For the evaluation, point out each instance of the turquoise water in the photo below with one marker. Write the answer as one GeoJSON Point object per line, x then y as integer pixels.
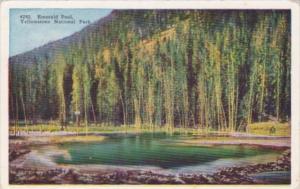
{"type": "Point", "coordinates": [158, 150]}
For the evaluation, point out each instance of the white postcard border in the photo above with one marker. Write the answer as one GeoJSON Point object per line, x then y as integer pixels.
{"type": "Point", "coordinates": [151, 4]}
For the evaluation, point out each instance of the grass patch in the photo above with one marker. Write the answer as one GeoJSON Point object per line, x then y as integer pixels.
{"type": "Point", "coordinates": [102, 129]}
{"type": "Point", "coordinates": [69, 128]}
{"type": "Point", "coordinates": [261, 128]}
{"type": "Point", "coordinates": [64, 139]}
{"type": "Point", "coordinates": [270, 128]}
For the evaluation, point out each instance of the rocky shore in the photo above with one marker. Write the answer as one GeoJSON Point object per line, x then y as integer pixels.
{"type": "Point", "coordinates": [16, 150]}
{"type": "Point", "coordinates": [231, 175]}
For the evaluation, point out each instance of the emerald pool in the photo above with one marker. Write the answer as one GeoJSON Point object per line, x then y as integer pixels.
{"type": "Point", "coordinates": [159, 150]}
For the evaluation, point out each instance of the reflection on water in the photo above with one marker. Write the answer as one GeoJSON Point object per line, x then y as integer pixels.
{"type": "Point", "coordinates": [158, 150]}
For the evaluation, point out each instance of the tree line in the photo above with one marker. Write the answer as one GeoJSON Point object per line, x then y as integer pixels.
{"type": "Point", "coordinates": [160, 68]}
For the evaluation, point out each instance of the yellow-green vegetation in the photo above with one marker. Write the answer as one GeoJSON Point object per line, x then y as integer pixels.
{"type": "Point", "coordinates": [64, 139]}
{"type": "Point", "coordinates": [94, 128]}
{"type": "Point", "coordinates": [69, 128]}
{"type": "Point", "coordinates": [270, 128]}
{"type": "Point", "coordinates": [262, 128]}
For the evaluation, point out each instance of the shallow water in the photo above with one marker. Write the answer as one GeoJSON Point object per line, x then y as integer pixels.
{"type": "Point", "coordinates": [158, 150]}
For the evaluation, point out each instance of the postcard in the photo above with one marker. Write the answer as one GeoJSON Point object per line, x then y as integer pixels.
{"type": "Point", "coordinates": [151, 93]}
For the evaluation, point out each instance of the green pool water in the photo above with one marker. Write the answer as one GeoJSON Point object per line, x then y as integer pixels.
{"type": "Point", "coordinates": [160, 150]}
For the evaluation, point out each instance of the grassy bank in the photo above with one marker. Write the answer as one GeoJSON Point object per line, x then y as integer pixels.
{"type": "Point", "coordinates": [64, 139]}
{"type": "Point", "coordinates": [97, 128]}
{"type": "Point", "coordinates": [270, 129]}
{"type": "Point", "coordinates": [262, 128]}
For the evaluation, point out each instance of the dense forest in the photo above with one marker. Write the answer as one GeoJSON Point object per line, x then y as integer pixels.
{"type": "Point", "coordinates": [218, 69]}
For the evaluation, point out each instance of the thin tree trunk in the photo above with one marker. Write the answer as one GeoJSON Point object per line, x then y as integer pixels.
{"type": "Point", "coordinates": [24, 112]}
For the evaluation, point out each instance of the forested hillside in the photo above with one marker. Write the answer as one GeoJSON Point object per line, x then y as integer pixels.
{"type": "Point", "coordinates": [160, 68]}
